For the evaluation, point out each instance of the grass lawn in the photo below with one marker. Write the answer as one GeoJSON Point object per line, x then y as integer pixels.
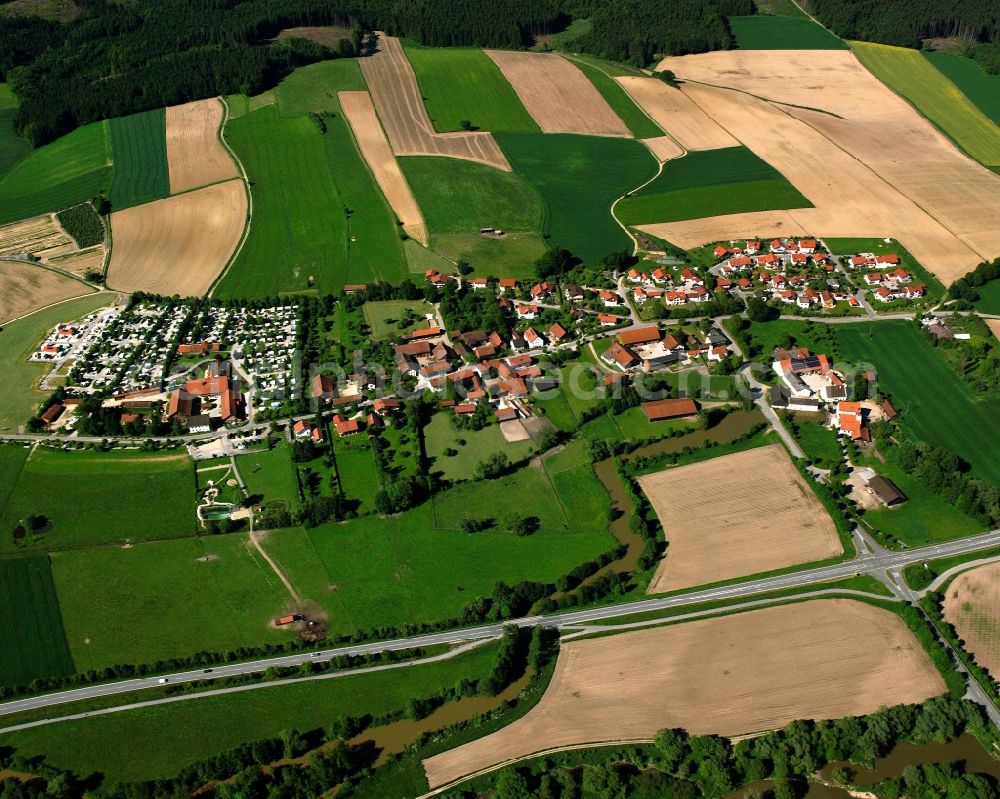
{"type": "Point", "coordinates": [19, 398]}
{"type": "Point", "coordinates": [97, 498]}
{"type": "Point", "coordinates": [579, 177]}
{"type": "Point", "coordinates": [925, 517]}
{"type": "Point", "coordinates": [464, 84]}
{"type": "Point", "coordinates": [974, 81]}
{"type": "Point", "coordinates": [557, 410]}
{"type": "Point", "coordinates": [815, 336]}
{"type": "Point", "coordinates": [935, 289]}
{"type": "Point", "coordinates": [66, 172]}
{"type": "Point", "coordinates": [152, 742]}
{"type": "Point", "coordinates": [641, 126]}
{"type": "Point", "coordinates": [727, 181]}
{"type": "Point", "coordinates": [31, 625]}
{"type": "Point", "coordinates": [762, 32]}
{"type": "Point", "coordinates": [12, 148]}
{"type": "Point", "coordinates": [441, 434]}
{"type": "Point", "coordinates": [512, 256]}
{"type": "Point", "coordinates": [419, 259]}
{"type": "Point", "coordinates": [356, 469]}
{"type": "Point", "coordinates": [269, 475]}
{"type": "Point", "coordinates": [139, 152]}
{"type": "Point", "coordinates": [167, 599]}
{"type": "Point", "coordinates": [572, 476]}
{"type": "Point", "coordinates": [601, 427]}
{"type": "Point", "coordinates": [908, 73]}
{"type": "Point", "coordinates": [989, 298]}
{"type": "Point", "coordinates": [458, 196]}
{"type": "Point", "coordinates": [818, 442]}
{"type": "Point", "coordinates": [634, 425]}
{"type": "Point", "coordinates": [379, 313]}
{"type": "Point", "coordinates": [935, 404]}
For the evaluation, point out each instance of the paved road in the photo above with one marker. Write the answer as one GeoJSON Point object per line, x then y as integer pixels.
{"type": "Point", "coordinates": [875, 563]}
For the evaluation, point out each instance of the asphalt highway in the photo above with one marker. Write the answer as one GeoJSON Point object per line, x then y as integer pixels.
{"type": "Point", "coordinates": [875, 564]}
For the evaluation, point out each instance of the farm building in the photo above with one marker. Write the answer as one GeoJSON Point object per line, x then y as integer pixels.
{"type": "Point", "coordinates": [659, 410]}
{"type": "Point", "coordinates": [886, 491]}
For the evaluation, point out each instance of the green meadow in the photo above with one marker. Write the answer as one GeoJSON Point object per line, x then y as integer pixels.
{"type": "Point", "coordinates": [989, 298]}
{"type": "Point", "coordinates": [975, 82]}
{"type": "Point", "coordinates": [707, 183]}
{"type": "Point", "coordinates": [66, 172]}
{"type": "Point", "coordinates": [641, 126]}
{"type": "Point", "coordinates": [384, 316]}
{"type": "Point", "coordinates": [470, 446]}
{"type": "Point", "coordinates": [100, 497]}
{"type": "Point", "coordinates": [935, 405]}
{"type": "Point", "coordinates": [464, 84]}
{"type": "Point", "coordinates": [31, 625]}
{"type": "Point", "coordinates": [12, 148]}
{"type": "Point", "coordinates": [579, 177]}
{"type": "Point", "coordinates": [139, 152]}
{"type": "Point", "coordinates": [269, 474]}
{"type": "Point", "coordinates": [357, 472]}
{"type": "Point", "coordinates": [761, 32]}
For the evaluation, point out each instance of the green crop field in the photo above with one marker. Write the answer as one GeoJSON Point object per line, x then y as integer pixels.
{"type": "Point", "coordinates": [12, 148]}
{"type": "Point", "coordinates": [19, 398]}
{"type": "Point", "coordinates": [711, 182]}
{"type": "Point", "coordinates": [975, 82]}
{"type": "Point", "coordinates": [67, 171]}
{"type": "Point", "coordinates": [635, 118]}
{"type": "Point", "coordinates": [139, 151]}
{"type": "Point", "coordinates": [166, 599]}
{"type": "Point", "coordinates": [762, 32]}
{"type": "Point", "coordinates": [579, 177]}
{"type": "Point", "coordinates": [269, 475]}
{"type": "Point", "coordinates": [464, 84]}
{"type": "Point", "coordinates": [512, 256]}
{"type": "Point", "coordinates": [31, 627]}
{"type": "Point", "coordinates": [152, 742]}
{"type": "Point", "coordinates": [98, 498]}
{"type": "Point", "coordinates": [472, 446]}
{"type": "Point", "coordinates": [908, 73]}
{"type": "Point", "coordinates": [935, 405]}
{"type": "Point", "coordinates": [383, 317]}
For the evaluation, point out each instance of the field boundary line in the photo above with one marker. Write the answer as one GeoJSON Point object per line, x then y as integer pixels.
{"type": "Point", "coordinates": [459, 650]}
{"type": "Point", "coordinates": [246, 187]}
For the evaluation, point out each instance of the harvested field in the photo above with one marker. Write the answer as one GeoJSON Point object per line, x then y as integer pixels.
{"type": "Point", "coordinates": [858, 139]}
{"type": "Point", "coordinates": [695, 232]}
{"type": "Point", "coordinates": [397, 98]}
{"type": "Point", "coordinates": [558, 95]}
{"type": "Point", "coordinates": [972, 604]}
{"type": "Point", "coordinates": [180, 244]}
{"type": "Point", "coordinates": [732, 675]}
{"type": "Point", "coordinates": [664, 148]}
{"type": "Point", "coordinates": [80, 262]}
{"type": "Point", "coordinates": [25, 288]}
{"type": "Point", "coordinates": [994, 326]}
{"type": "Point", "coordinates": [715, 535]}
{"type": "Point", "coordinates": [374, 146]}
{"type": "Point", "coordinates": [195, 155]}
{"type": "Point", "coordinates": [676, 114]}
{"type": "Point", "coordinates": [38, 235]}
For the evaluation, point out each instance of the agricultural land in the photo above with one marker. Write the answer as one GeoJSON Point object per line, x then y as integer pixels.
{"type": "Point", "coordinates": [139, 153]}
{"type": "Point", "coordinates": [970, 604]}
{"type": "Point", "coordinates": [195, 154]}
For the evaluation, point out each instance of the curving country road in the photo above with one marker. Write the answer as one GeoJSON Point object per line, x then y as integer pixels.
{"type": "Point", "coordinates": [873, 561]}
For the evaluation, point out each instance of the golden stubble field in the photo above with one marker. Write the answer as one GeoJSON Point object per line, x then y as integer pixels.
{"type": "Point", "coordinates": [731, 675]}
{"type": "Point", "coordinates": [871, 166]}
{"type": "Point", "coordinates": [195, 155]}
{"type": "Point", "coordinates": [374, 146]}
{"type": "Point", "coordinates": [557, 94]}
{"type": "Point", "coordinates": [400, 106]}
{"type": "Point", "coordinates": [178, 245]}
{"type": "Point", "coordinates": [25, 288]}
{"type": "Point", "coordinates": [972, 604]}
{"type": "Point", "coordinates": [740, 514]}
{"type": "Point", "coordinates": [673, 111]}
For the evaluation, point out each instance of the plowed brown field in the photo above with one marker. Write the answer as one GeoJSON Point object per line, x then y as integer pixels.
{"type": "Point", "coordinates": [400, 106]}
{"type": "Point", "coordinates": [972, 604]}
{"type": "Point", "coordinates": [673, 111]}
{"type": "Point", "coordinates": [836, 132]}
{"type": "Point", "coordinates": [740, 514]}
{"type": "Point", "coordinates": [375, 149]}
{"type": "Point", "coordinates": [195, 155]}
{"type": "Point", "coordinates": [557, 94]}
{"type": "Point", "coordinates": [732, 675]}
{"type": "Point", "coordinates": [25, 288]}
{"type": "Point", "coordinates": [180, 244]}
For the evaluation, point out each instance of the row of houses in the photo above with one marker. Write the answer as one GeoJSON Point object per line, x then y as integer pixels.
{"type": "Point", "coordinates": [647, 348]}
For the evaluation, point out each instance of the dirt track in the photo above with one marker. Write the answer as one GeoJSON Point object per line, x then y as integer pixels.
{"type": "Point", "coordinates": [972, 604]}
{"type": "Point", "coordinates": [375, 149]}
{"type": "Point", "coordinates": [195, 155]}
{"type": "Point", "coordinates": [737, 515]}
{"type": "Point", "coordinates": [732, 675]}
{"type": "Point", "coordinates": [851, 137]}
{"type": "Point", "coordinates": [676, 114]}
{"type": "Point", "coordinates": [558, 96]}
{"type": "Point", "coordinates": [394, 90]}
{"type": "Point", "coordinates": [25, 288]}
{"type": "Point", "coordinates": [180, 244]}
